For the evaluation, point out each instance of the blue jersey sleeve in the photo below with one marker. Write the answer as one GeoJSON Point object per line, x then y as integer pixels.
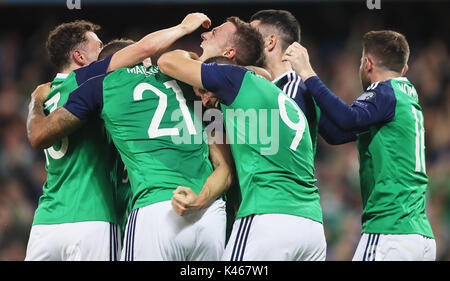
{"type": "Point", "coordinates": [87, 100]}
{"type": "Point", "coordinates": [332, 134]}
{"type": "Point", "coordinates": [224, 80]}
{"type": "Point", "coordinates": [373, 106]}
{"type": "Point", "coordinates": [306, 103]}
{"type": "Point", "coordinates": [94, 69]}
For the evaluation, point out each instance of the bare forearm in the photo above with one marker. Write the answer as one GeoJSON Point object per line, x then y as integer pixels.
{"type": "Point", "coordinates": [180, 65]}
{"type": "Point", "coordinates": [151, 45]}
{"type": "Point", "coordinates": [222, 177]}
{"type": "Point", "coordinates": [184, 199]}
{"type": "Point", "coordinates": [43, 131]}
{"type": "Point", "coordinates": [159, 41]}
{"type": "Point", "coordinates": [156, 42]}
{"type": "Point", "coordinates": [35, 121]}
{"type": "Point", "coordinates": [215, 185]}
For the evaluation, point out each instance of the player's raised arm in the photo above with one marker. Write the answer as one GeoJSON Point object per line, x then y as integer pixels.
{"type": "Point", "coordinates": [185, 200]}
{"type": "Point", "coordinates": [43, 131]}
{"type": "Point", "coordinates": [217, 74]}
{"type": "Point", "coordinates": [158, 41]}
{"type": "Point", "coordinates": [83, 102]}
{"type": "Point", "coordinates": [180, 65]}
{"type": "Point", "coordinates": [332, 134]}
{"type": "Point", "coordinates": [370, 108]}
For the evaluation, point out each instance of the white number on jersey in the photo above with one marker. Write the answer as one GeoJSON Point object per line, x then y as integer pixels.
{"type": "Point", "coordinates": [420, 140]}
{"type": "Point", "coordinates": [299, 127]}
{"type": "Point", "coordinates": [55, 154]}
{"type": "Point", "coordinates": [154, 131]}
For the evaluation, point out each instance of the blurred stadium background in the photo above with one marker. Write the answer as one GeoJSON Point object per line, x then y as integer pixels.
{"type": "Point", "coordinates": [331, 30]}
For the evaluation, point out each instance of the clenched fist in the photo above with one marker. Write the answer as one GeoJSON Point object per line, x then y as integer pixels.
{"type": "Point", "coordinates": [298, 57]}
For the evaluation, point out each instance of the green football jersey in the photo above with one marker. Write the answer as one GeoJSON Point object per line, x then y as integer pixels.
{"type": "Point", "coordinates": [83, 170]}
{"type": "Point", "coordinates": [151, 120]}
{"type": "Point", "coordinates": [392, 167]}
{"type": "Point", "coordinates": [124, 195]}
{"type": "Point", "coordinates": [271, 146]}
{"type": "Point", "coordinates": [295, 88]}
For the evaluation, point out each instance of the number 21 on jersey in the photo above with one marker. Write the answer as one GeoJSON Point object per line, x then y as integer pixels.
{"type": "Point", "coordinates": [154, 130]}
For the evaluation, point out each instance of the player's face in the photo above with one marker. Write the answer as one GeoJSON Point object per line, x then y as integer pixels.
{"type": "Point", "coordinates": [91, 48]}
{"type": "Point", "coordinates": [215, 42]}
{"type": "Point", "coordinates": [208, 98]}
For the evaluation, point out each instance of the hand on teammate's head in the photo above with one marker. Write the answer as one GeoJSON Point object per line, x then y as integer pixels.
{"type": "Point", "coordinates": [298, 57]}
{"type": "Point", "coordinates": [194, 20]}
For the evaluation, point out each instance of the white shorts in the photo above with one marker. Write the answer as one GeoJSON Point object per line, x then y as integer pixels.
{"type": "Point", "coordinates": [395, 247]}
{"type": "Point", "coordinates": [276, 237]}
{"type": "Point", "coordinates": [156, 233]}
{"type": "Point", "coordinates": [78, 241]}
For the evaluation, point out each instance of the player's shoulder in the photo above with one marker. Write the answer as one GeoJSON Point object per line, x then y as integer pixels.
{"type": "Point", "coordinates": [378, 89]}
{"type": "Point", "coordinates": [62, 85]}
{"type": "Point", "coordinates": [95, 68]}
{"type": "Point", "coordinates": [380, 86]}
{"type": "Point", "coordinates": [292, 84]}
{"type": "Point", "coordinates": [138, 71]}
{"type": "Point", "coordinates": [225, 69]}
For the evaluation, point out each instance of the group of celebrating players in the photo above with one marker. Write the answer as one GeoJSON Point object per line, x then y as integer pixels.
{"type": "Point", "coordinates": [119, 186]}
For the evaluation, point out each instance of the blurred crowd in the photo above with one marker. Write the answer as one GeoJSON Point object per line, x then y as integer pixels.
{"type": "Point", "coordinates": [24, 65]}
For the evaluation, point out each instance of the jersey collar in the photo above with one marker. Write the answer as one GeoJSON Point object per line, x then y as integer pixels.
{"type": "Point", "coordinates": [400, 78]}
{"type": "Point", "coordinates": [61, 75]}
{"type": "Point", "coordinates": [282, 75]}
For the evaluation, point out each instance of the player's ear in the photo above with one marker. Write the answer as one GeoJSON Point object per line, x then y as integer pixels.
{"type": "Point", "coordinates": [78, 57]}
{"type": "Point", "coordinates": [405, 69]}
{"type": "Point", "coordinates": [229, 53]}
{"type": "Point", "coordinates": [368, 63]}
{"type": "Point", "coordinates": [270, 42]}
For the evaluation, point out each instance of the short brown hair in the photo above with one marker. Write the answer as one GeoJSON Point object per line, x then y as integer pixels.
{"type": "Point", "coordinates": [390, 47]}
{"type": "Point", "coordinates": [65, 38]}
{"type": "Point", "coordinates": [114, 46]}
{"type": "Point", "coordinates": [248, 41]}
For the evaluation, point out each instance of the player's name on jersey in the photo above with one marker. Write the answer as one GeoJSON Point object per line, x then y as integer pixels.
{"type": "Point", "coordinates": [140, 69]}
{"type": "Point", "coordinates": [409, 90]}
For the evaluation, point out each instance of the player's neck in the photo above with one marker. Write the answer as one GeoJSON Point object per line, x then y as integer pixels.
{"type": "Point", "coordinates": [70, 68]}
{"type": "Point", "coordinates": [384, 76]}
{"type": "Point", "coordinates": [277, 68]}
